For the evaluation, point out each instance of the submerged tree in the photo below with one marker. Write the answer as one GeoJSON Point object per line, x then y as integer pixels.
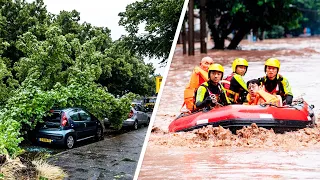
{"type": "Point", "coordinates": [239, 17]}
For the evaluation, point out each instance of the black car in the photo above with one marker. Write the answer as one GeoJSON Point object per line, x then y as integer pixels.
{"type": "Point", "coordinates": [68, 126]}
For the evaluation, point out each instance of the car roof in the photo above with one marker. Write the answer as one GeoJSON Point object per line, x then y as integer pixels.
{"type": "Point", "coordinates": [66, 109]}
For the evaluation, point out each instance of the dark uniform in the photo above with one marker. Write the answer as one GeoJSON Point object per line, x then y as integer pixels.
{"type": "Point", "coordinates": [279, 86]}
{"type": "Point", "coordinates": [234, 84]}
{"type": "Point", "coordinates": [206, 90]}
{"type": "Point", "coordinates": [238, 90]}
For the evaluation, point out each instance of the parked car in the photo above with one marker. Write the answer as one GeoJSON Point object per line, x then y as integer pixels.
{"type": "Point", "coordinates": [68, 126]}
{"type": "Point", "coordinates": [149, 103]}
{"type": "Point", "coordinates": [136, 117]}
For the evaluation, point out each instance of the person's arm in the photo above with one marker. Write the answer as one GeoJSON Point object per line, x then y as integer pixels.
{"type": "Point", "coordinates": [287, 91]}
{"type": "Point", "coordinates": [194, 80]}
{"type": "Point", "coordinates": [201, 102]}
{"type": "Point", "coordinates": [202, 73]}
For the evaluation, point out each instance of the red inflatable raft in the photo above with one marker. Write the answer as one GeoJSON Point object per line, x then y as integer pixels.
{"type": "Point", "coordinates": [299, 115]}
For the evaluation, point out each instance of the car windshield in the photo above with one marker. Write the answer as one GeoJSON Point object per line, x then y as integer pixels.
{"type": "Point", "coordinates": [136, 107]}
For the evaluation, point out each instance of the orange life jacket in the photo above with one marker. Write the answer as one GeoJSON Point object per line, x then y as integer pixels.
{"type": "Point", "coordinates": [255, 101]}
{"type": "Point", "coordinates": [198, 77]}
{"type": "Point", "coordinates": [263, 96]}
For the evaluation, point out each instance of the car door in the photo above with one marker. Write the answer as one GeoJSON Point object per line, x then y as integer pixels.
{"type": "Point", "coordinates": [138, 111]}
{"type": "Point", "coordinates": [89, 124]}
{"type": "Point", "coordinates": [143, 115]}
{"type": "Point", "coordinates": [77, 124]}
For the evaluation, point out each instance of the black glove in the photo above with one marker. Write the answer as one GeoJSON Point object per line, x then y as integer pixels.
{"type": "Point", "coordinates": [243, 97]}
{"type": "Point", "coordinates": [288, 100]}
{"type": "Point", "coordinates": [204, 103]}
{"type": "Point", "coordinates": [208, 100]}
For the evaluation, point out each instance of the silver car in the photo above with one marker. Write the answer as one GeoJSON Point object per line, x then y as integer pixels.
{"type": "Point", "coordinates": [137, 117]}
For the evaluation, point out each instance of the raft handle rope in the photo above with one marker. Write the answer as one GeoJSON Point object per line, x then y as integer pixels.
{"type": "Point", "coordinates": [270, 104]}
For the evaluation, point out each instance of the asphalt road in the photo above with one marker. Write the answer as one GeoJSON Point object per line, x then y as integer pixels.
{"type": "Point", "coordinates": [112, 158]}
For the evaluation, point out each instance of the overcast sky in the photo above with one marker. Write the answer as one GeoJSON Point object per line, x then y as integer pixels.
{"type": "Point", "coordinates": [97, 13]}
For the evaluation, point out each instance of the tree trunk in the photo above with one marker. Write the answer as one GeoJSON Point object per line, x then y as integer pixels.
{"type": "Point", "coordinates": [238, 37]}
{"type": "Point", "coordinates": [256, 33]}
{"type": "Point", "coordinates": [218, 43]}
{"type": "Point", "coordinates": [184, 38]}
{"type": "Point", "coordinates": [203, 27]}
{"type": "Point", "coordinates": [261, 34]}
{"type": "Point", "coordinates": [191, 28]}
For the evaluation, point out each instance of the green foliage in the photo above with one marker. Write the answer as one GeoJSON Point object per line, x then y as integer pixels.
{"type": "Point", "coordinates": [52, 61]}
{"type": "Point", "coordinates": [310, 10]}
{"type": "Point", "coordinates": [125, 72]}
{"type": "Point", "coordinates": [241, 16]}
{"type": "Point", "coordinates": [43, 178]}
{"type": "Point", "coordinates": [160, 18]}
{"type": "Point", "coordinates": [5, 78]}
{"type": "Point", "coordinates": [18, 17]}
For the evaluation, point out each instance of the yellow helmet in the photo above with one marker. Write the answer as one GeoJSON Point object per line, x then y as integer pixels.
{"type": "Point", "coordinates": [239, 62]}
{"type": "Point", "coordinates": [215, 67]}
{"type": "Point", "coordinates": [272, 62]}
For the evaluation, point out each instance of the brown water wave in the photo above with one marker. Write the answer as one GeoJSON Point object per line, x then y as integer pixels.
{"type": "Point", "coordinates": [252, 136]}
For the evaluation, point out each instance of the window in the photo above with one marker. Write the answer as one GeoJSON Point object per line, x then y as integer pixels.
{"type": "Point", "coordinates": [53, 120]}
{"type": "Point", "coordinates": [54, 117]}
{"type": "Point", "coordinates": [142, 108]}
{"type": "Point", "coordinates": [137, 107]}
{"type": "Point", "coordinates": [84, 116]}
{"type": "Point", "coordinates": [74, 115]}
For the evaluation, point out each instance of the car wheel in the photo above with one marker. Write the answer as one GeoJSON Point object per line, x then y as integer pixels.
{"type": "Point", "coordinates": [135, 125]}
{"type": "Point", "coordinates": [70, 141]}
{"type": "Point", "coordinates": [99, 134]}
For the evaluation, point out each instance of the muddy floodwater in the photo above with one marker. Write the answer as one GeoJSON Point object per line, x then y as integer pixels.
{"type": "Point", "coordinates": [230, 163]}
{"type": "Point", "coordinates": [253, 152]}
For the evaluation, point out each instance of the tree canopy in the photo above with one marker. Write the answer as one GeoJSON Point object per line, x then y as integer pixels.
{"type": "Point", "coordinates": [160, 18]}
{"type": "Point", "coordinates": [276, 18]}
{"type": "Point", "coordinates": [310, 11]}
{"type": "Point", "coordinates": [49, 61]}
{"type": "Point", "coordinates": [241, 16]}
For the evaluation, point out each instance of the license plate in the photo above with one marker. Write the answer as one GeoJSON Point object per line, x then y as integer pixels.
{"type": "Point", "coordinates": [45, 140]}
